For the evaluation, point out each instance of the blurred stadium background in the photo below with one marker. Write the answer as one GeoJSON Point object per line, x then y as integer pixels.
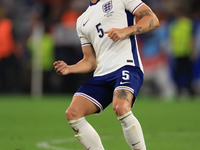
{"type": "Point", "coordinates": [33, 98]}
{"type": "Point", "coordinates": [35, 33]}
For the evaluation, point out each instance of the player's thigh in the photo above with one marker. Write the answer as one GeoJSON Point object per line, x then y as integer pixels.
{"type": "Point", "coordinates": [122, 101]}
{"type": "Point", "coordinates": [80, 107]}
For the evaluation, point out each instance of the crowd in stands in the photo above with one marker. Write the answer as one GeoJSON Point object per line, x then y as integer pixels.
{"type": "Point", "coordinates": [35, 33]}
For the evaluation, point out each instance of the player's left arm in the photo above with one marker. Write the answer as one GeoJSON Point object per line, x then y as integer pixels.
{"type": "Point", "coordinates": [148, 21]}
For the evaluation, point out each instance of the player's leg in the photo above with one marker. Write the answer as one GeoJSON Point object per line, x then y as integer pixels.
{"type": "Point", "coordinates": [80, 107]}
{"type": "Point", "coordinates": [84, 132]}
{"type": "Point", "coordinates": [122, 103]}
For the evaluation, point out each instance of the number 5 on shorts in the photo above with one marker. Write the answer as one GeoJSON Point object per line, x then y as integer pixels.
{"type": "Point", "coordinates": [125, 75]}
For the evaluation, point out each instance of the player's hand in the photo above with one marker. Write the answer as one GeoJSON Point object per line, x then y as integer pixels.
{"type": "Point", "coordinates": [116, 34]}
{"type": "Point", "coordinates": [61, 68]}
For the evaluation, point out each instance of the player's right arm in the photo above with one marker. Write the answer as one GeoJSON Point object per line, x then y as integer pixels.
{"type": "Point", "coordinates": [85, 65]}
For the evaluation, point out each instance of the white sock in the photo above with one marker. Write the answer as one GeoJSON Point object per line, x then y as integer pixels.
{"type": "Point", "coordinates": [86, 134]}
{"type": "Point", "coordinates": [132, 131]}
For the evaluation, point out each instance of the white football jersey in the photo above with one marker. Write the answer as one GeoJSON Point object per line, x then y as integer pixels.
{"type": "Point", "coordinates": [102, 16]}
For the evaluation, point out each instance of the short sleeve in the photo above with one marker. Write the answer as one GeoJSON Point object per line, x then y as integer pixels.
{"type": "Point", "coordinates": [132, 5]}
{"type": "Point", "coordinates": [83, 39]}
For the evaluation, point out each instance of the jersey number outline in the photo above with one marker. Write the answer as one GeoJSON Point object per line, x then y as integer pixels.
{"type": "Point", "coordinates": [100, 30]}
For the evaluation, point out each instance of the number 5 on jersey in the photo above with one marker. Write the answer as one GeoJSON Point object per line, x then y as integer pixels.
{"type": "Point", "coordinates": [100, 30]}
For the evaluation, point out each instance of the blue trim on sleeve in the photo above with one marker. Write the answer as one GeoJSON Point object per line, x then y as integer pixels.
{"type": "Point", "coordinates": [130, 20]}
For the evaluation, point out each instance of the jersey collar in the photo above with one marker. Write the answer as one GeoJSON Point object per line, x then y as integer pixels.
{"type": "Point", "coordinates": [91, 4]}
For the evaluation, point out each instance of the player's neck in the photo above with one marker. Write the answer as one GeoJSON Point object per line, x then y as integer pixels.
{"type": "Point", "coordinates": [93, 1]}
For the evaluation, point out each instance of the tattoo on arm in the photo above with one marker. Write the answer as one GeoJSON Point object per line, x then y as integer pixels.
{"type": "Point", "coordinates": [151, 23]}
{"type": "Point", "coordinates": [138, 29]}
{"type": "Point", "coordinates": [122, 94]}
{"type": "Point", "coordinates": [145, 13]}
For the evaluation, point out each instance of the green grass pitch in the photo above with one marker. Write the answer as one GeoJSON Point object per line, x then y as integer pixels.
{"type": "Point", "coordinates": [39, 124]}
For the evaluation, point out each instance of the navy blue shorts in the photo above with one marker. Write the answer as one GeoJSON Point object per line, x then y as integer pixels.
{"type": "Point", "coordinates": [100, 89]}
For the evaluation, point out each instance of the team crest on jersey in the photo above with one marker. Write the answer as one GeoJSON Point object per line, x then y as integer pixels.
{"type": "Point", "coordinates": [107, 7]}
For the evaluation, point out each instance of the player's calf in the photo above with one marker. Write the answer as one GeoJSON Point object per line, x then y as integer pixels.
{"type": "Point", "coordinates": [132, 131]}
{"type": "Point", "coordinates": [86, 134]}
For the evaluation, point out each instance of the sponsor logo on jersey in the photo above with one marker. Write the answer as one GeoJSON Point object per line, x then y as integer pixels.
{"type": "Point", "coordinates": [86, 22]}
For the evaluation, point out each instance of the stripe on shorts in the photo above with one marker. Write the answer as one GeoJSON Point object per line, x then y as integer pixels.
{"type": "Point", "coordinates": [85, 44]}
{"type": "Point", "coordinates": [91, 99]}
{"type": "Point", "coordinates": [125, 88]}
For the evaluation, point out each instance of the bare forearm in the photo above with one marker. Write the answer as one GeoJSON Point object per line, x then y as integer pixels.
{"type": "Point", "coordinates": [87, 64]}
{"type": "Point", "coordinates": [148, 21]}
{"type": "Point", "coordinates": [144, 25]}
{"type": "Point", "coordinates": [82, 66]}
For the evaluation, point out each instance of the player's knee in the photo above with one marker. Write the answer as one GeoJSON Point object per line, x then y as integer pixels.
{"type": "Point", "coordinates": [120, 109]}
{"type": "Point", "coordinates": [71, 114]}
